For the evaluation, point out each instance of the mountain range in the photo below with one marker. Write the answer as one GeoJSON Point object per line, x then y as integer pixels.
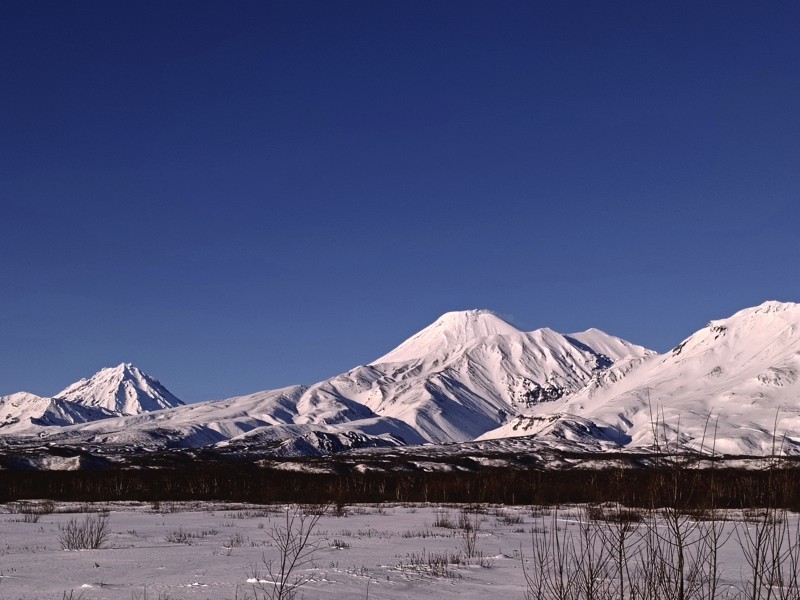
{"type": "Point", "coordinates": [730, 388]}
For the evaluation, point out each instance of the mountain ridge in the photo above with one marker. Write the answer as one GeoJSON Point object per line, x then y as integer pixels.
{"type": "Point", "coordinates": [737, 376]}
{"type": "Point", "coordinates": [467, 376]}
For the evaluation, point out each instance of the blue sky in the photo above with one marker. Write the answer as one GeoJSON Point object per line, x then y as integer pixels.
{"type": "Point", "coordinates": [237, 196]}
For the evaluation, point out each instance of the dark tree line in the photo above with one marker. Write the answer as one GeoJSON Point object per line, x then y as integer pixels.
{"type": "Point", "coordinates": [645, 487]}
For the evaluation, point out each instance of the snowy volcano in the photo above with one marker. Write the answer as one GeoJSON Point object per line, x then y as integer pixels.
{"type": "Point", "coordinates": [448, 335]}
{"type": "Point", "coordinates": [471, 371]}
{"type": "Point", "coordinates": [113, 392]}
{"type": "Point", "coordinates": [121, 390]}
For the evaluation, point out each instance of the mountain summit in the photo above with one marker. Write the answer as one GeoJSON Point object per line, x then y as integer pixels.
{"type": "Point", "coordinates": [120, 391]}
{"type": "Point", "coordinates": [123, 390]}
{"type": "Point", "coordinates": [451, 331]}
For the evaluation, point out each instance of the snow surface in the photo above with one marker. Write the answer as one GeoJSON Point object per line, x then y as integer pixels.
{"type": "Point", "coordinates": [370, 548]}
{"type": "Point", "coordinates": [448, 334]}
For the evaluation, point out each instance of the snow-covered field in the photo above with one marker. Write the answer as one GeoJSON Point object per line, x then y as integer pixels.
{"type": "Point", "coordinates": [218, 551]}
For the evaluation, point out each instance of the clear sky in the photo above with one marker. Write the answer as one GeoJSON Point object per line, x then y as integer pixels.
{"type": "Point", "coordinates": [237, 196]}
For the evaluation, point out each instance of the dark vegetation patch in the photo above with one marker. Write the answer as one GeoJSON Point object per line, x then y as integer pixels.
{"type": "Point", "coordinates": [241, 482]}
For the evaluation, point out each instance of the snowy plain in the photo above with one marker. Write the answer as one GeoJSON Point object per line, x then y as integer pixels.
{"type": "Point", "coordinates": [218, 551]}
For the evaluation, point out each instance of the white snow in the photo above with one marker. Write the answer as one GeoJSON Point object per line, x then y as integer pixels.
{"type": "Point", "coordinates": [471, 375]}
{"type": "Point", "coordinates": [123, 390]}
{"type": "Point", "coordinates": [223, 549]}
{"type": "Point", "coordinates": [448, 334]}
{"type": "Point", "coordinates": [118, 391]}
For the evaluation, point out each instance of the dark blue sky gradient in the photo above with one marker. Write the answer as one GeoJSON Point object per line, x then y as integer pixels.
{"type": "Point", "coordinates": [238, 196]}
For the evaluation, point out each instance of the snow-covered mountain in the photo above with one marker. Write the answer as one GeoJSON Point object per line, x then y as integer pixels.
{"type": "Point", "coordinates": [279, 419]}
{"type": "Point", "coordinates": [470, 375]}
{"type": "Point", "coordinates": [458, 378]}
{"type": "Point", "coordinates": [121, 390]}
{"type": "Point", "coordinates": [23, 410]}
{"type": "Point", "coordinates": [113, 392]}
{"type": "Point", "coordinates": [728, 387]}
{"type": "Point", "coordinates": [471, 371]}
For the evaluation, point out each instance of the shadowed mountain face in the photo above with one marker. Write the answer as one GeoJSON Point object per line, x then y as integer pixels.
{"type": "Point", "coordinates": [471, 375]}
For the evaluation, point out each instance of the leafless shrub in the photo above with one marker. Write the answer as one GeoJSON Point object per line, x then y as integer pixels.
{"type": "Point", "coordinates": [537, 512]}
{"type": "Point", "coordinates": [771, 550]}
{"type": "Point", "coordinates": [251, 514]}
{"type": "Point", "coordinates": [90, 534]}
{"type": "Point", "coordinates": [237, 540]}
{"type": "Point", "coordinates": [180, 536]}
{"type": "Point", "coordinates": [295, 547]}
{"type": "Point", "coordinates": [444, 520]}
{"type": "Point", "coordinates": [465, 518]}
{"type": "Point", "coordinates": [510, 519]}
{"type": "Point", "coordinates": [550, 576]}
{"type": "Point", "coordinates": [433, 564]}
{"type": "Point", "coordinates": [90, 507]}
{"type": "Point", "coordinates": [184, 536]}
{"type": "Point", "coordinates": [420, 533]}
{"type": "Point", "coordinates": [469, 533]}
{"type": "Point", "coordinates": [594, 563]}
{"type": "Point", "coordinates": [666, 553]}
{"type": "Point", "coordinates": [32, 510]}
{"type": "Point", "coordinates": [614, 513]}
{"type": "Point", "coordinates": [143, 595]}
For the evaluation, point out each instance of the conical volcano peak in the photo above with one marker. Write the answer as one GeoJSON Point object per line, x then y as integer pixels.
{"type": "Point", "coordinates": [124, 389]}
{"type": "Point", "coordinates": [473, 323]}
{"type": "Point", "coordinates": [450, 331]}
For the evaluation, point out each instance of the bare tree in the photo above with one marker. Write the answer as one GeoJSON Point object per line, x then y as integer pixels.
{"type": "Point", "coordinates": [292, 538]}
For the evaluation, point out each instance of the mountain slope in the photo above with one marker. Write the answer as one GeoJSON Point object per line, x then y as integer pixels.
{"type": "Point", "coordinates": [286, 419]}
{"type": "Point", "coordinates": [23, 411]}
{"type": "Point", "coordinates": [729, 386]}
{"type": "Point", "coordinates": [463, 375]}
{"type": "Point", "coordinates": [469, 372]}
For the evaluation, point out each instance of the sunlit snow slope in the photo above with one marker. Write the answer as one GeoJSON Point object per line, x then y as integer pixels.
{"type": "Point", "coordinates": [726, 388]}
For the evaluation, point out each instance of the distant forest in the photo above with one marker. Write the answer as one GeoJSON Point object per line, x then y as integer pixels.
{"type": "Point", "coordinates": [692, 488]}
